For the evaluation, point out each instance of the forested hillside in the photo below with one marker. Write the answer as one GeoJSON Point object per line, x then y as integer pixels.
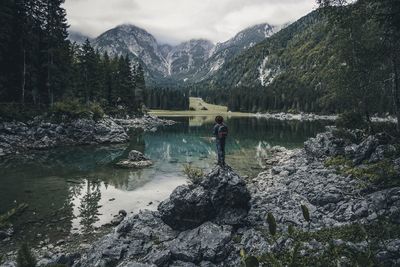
{"type": "Point", "coordinates": [42, 71]}
{"type": "Point", "coordinates": [330, 61]}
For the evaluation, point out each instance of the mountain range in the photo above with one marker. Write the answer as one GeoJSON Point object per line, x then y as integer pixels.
{"type": "Point", "coordinates": [192, 61]}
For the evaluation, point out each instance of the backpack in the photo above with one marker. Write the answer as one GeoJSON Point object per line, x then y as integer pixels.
{"type": "Point", "coordinates": [222, 131]}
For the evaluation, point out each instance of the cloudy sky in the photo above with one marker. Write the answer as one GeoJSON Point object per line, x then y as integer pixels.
{"type": "Point", "coordinates": [173, 21]}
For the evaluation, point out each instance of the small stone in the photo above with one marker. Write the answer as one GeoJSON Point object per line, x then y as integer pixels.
{"type": "Point", "coordinates": [60, 242]}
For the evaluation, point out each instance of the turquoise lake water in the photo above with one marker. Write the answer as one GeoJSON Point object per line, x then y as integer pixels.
{"type": "Point", "coordinates": [74, 189]}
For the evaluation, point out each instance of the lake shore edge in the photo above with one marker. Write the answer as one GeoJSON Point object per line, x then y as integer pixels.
{"type": "Point", "coordinates": [282, 116]}
{"type": "Point", "coordinates": [41, 134]}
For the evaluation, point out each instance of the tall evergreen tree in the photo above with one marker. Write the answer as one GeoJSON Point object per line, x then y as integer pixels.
{"type": "Point", "coordinates": [56, 47]}
{"type": "Point", "coordinates": [7, 17]}
{"type": "Point", "coordinates": [88, 72]}
{"type": "Point", "coordinates": [388, 14]}
{"type": "Point", "coordinates": [140, 86]}
{"type": "Point", "coordinates": [125, 84]}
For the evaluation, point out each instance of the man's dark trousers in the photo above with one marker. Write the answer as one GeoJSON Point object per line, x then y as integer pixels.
{"type": "Point", "coordinates": [221, 151]}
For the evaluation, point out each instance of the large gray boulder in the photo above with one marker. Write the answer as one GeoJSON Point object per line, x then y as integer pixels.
{"type": "Point", "coordinates": [324, 144]}
{"type": "Point", "coordinates": [144, 240]}
{"type": "Point", "coordinates": [364, 150]}
{"type": "Point", "coordinates": [136, 160]}
{"type": "Point", "coordinates": [208, 242]}
{"type": "Point", "coordinates": [221, 197]}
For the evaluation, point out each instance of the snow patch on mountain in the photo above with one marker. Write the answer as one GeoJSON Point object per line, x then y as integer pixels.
{"type": "Point", "coordinates": [217, 65]}
{"type": "Point", "coordinates": [190, 61]}
{"type": "Point", "coordinates": [267, 75]}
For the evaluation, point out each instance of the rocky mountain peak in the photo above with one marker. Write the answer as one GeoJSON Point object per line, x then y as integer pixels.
{"type": "Point", "coordinates": [190, 61]}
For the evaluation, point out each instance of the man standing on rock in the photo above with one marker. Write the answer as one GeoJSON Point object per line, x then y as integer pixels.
{"type": "Point", "coordinates": [220, 132]}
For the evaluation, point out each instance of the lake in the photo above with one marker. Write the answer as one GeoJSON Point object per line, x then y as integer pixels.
{"type": "Point", "coordinates": [75, 189]}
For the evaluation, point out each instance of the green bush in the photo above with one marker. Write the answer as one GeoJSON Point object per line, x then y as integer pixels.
{"type": "Point", "coordinates": [194, 174]}
{"type": "Point", "coordinates": [97, 110]}
{"type": "Point", "coordinates": [19, 112]}
{"type": "Point", "coordinates": [381, 174]}
{"type": "Point", "coordinates": [306, 213]}
{"type": "Point", "coordinates": [351, 120]}
{"type": "Point", "coordinates": [271, 224]}
{"type": "Point", "coordinates": [74, 109]}
{"type": "Point", "coordinates": [25, 257]}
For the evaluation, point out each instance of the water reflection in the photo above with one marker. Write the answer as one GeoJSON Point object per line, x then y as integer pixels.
{"type": "Point", "coordinates": [89, 205]}
{"type": "Point", "coordinates": [73, 189]}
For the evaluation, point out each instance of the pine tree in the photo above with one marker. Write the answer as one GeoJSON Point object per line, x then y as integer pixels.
{"type": "Point", "coordinates": [125, 84]}
{"type": "Point", "coordinates": [56, 49]}
{"type": "Point", "coordinates": [88, 72]}
{"type": "Point", "coordinates": [388, 14]}
{"type": "Point", "coordinates": [140, 86]}
{"type": "Point", "coordinates": [7, 17]}
{"type": "Point", "coordinates": [107, 73]}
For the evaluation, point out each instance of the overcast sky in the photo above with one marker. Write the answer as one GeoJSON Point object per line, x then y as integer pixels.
{"type": "Point", "coordinates": [173, 21]}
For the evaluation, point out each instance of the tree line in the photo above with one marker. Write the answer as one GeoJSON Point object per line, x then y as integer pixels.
{"type": "Point", "coordinates": [40, 66]}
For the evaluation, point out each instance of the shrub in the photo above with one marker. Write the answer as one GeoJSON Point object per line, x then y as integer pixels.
{"type": "Point", "coordinates": [271, 224]}
{"type": "Point", "coordinates": [293, 111]}
{"type": "Point", "coordinates": [74, 109]}
{"type": "Point", "coordinates": [382, 174]}
{"type": "Point", "coordinates": [251, 261]}
{"type": "Point", "coordinates": [351, 120]}
{"type": "Point", "coordinates": [194, 174]}
{"type": "Point", "coordinates": [306, 213]}
{"type": "Point", "coordinates": [25, 257]}
{"type": "Point", "coordinates": [97, 110]}
{"type": "Point", "coordinates": [19, 112]}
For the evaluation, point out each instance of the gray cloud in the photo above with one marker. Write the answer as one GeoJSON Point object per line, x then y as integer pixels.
{"type": "Point", "coordinates": [173, 21]}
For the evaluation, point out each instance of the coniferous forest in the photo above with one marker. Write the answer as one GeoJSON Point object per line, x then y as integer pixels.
{"type": "Point", "coordinates": [41, 69]}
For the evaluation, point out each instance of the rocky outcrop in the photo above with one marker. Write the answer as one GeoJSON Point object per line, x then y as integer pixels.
{"type": "Point", "coordinates": [355, 146]}
{"type": "Point", "coordinates": [136, 160]}
{"type": "Point", "coordinates": [150, 238]}
{"type": "Point", "coordinates": [39, 134]}
{"type": "Point", "coordinates": [299, 177]}
{"type": "Point", "coordinates": [324, 144]}
{"type": "Point", "coordinates": [221, 197]}
{"type": "Point", "coordinates": [333, 199]}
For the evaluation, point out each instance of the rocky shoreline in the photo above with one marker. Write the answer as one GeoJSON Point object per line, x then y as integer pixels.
{"type": "Point", "coordinates": [314, 117]}
{"type": "Point", "coordinates": [38, 134]}
{"type": "Point", "coordinates": [221, 221]}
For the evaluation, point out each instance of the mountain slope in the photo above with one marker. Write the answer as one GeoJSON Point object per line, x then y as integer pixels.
{"type": "Point", "coordinates": [188, 62]}
{"type": "Point", "coordinates": [188, 57]}
{"type": "Point", "coordinates": [135, 42]}
{"type": "Point", "coordinates": [296, 69]}
{"type": "Point", "coordinates": [298, 49]}
{"type": "Point", "coordinates": [226, 51]}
